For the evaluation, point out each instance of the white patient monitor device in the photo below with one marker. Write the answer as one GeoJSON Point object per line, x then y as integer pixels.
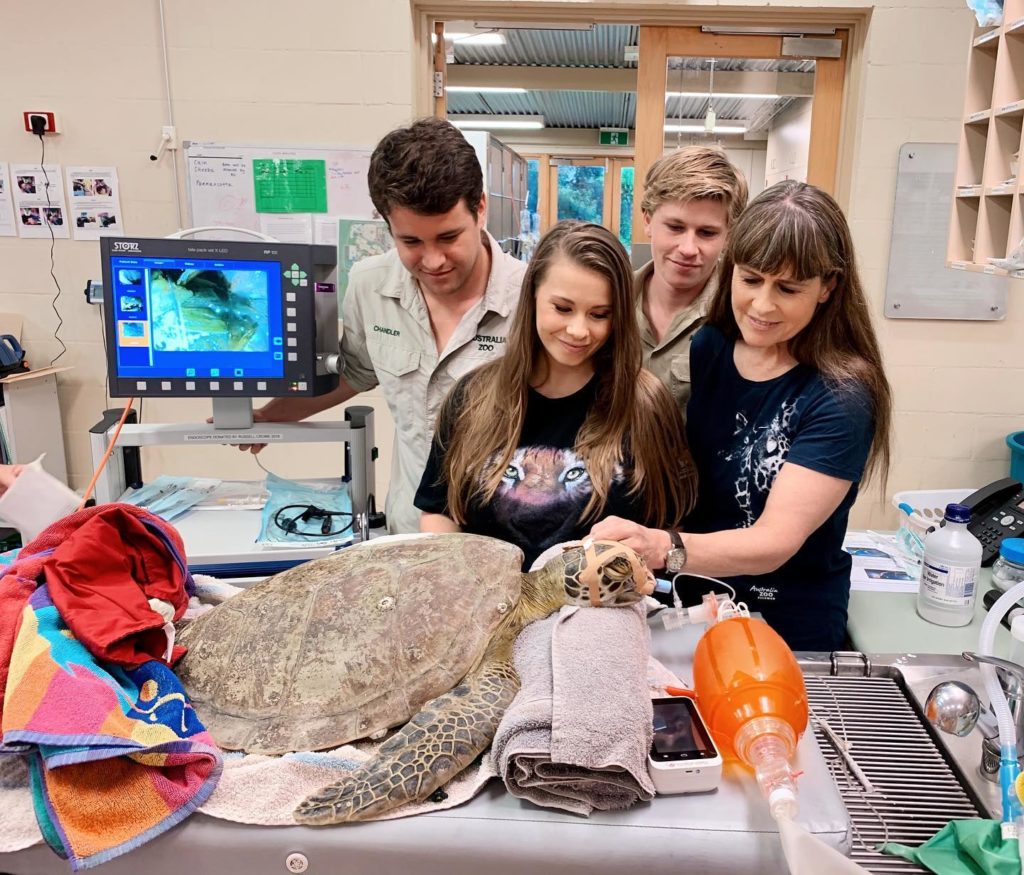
{"type": "Point", "coordinates": [683, 757]}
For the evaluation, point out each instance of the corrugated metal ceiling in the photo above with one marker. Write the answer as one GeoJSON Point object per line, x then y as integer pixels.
{"type": "Point", "coordinates": [604, 46]}
{"type": "Point", "coordinates": [561, 109]}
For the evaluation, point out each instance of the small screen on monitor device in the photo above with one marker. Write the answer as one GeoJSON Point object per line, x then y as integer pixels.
{"type": "Point", "coordinates": [678, 731]}
{"type": "Point", "coordinates": [194, 317]}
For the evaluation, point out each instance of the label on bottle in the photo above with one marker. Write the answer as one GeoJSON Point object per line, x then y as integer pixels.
{"type": "Point", "coordinates": [949, 585]}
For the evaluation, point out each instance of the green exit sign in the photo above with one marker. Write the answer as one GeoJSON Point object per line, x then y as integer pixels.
{"type": "Point", "coordinates": [614, 137]}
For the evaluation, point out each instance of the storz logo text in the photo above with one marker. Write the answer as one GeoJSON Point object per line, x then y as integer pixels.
{"type": "Point", "coordinates": [124, 246]}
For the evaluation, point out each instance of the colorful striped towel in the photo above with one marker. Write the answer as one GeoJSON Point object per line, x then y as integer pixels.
{"type": "Point", "coordinates": [117, 756]}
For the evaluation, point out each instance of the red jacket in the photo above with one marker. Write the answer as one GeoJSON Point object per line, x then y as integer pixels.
{"type": "Point", "coordinates": [101, 565]}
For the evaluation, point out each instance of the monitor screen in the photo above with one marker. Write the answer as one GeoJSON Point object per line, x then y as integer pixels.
{"type": "Point", "coordinates": [196, 317]}
{"type": "Point", "coordinates": [679, 732]}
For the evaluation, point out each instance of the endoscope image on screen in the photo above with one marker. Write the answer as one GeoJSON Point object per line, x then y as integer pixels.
{"type": "Point", "coordinates": [209, 310]}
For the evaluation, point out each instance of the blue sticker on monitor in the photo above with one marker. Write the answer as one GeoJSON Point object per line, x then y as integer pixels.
{"type": "Point", "coordinates": [180, 316]}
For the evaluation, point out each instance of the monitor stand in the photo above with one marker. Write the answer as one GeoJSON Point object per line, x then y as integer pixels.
{"type": "Point", "coordinates": [211, 541]}
{"type": "Point", "coordinates": [232, 413]}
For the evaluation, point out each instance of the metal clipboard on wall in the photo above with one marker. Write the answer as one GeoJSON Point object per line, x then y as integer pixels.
{"type": "Point", "coordinates": [296, 194]}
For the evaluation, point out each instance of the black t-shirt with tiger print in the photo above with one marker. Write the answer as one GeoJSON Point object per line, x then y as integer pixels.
{"type": "Point", "coordinates": [546, 485]}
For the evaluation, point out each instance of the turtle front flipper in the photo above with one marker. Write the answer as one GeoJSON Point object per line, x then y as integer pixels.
{"type": "Point", "coordinates": [439, 742]}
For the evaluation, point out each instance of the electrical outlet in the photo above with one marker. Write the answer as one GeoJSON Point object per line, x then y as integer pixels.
{"type": "Point", "coordinates": [170, 137]}
{"type": "Point", "coordinates": [50, 117]}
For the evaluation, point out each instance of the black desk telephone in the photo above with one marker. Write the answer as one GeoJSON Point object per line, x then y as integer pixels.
{"type": "Point", "coordinates": [997, 512]}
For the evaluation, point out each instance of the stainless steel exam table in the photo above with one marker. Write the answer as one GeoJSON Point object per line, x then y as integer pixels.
{"type": "Point", "coordinates": [727, 831]}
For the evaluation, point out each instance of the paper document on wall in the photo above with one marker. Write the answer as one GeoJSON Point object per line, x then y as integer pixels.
{"type": "Point", "coordinates": [249, 186]}
{"type": "Point", "coordinates": [325, 230]}
{"type": "Point", "coordinates": [39, 201]}
{"type": "Point", "coordinates": [877, 566]}
{"type": "Point", "coordinates": [95, 202]}
{"type": "Point", "coordinates": [7, 226]}
{"type": "Point", "coordinates": [222, 194]}
{"type": "Point", "coordinates": [287, 228]}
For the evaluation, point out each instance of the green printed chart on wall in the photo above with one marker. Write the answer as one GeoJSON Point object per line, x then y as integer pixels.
{"type": "Point", "coordinates": [290, 185]}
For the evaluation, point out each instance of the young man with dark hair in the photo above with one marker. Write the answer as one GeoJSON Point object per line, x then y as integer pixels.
{"type": "Point", "coordinates": [417, 318]}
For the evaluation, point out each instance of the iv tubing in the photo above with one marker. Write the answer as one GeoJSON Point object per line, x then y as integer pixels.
{"type": "Point", "coordinates": [106, 455]}
{"type": "Point", "coordinates": [1009, 768]}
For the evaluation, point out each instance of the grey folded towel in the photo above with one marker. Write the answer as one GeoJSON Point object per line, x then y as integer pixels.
{"type": "Point", "coordinates": [577, 734]}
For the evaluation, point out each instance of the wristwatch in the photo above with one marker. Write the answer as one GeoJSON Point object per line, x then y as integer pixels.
{"type": "Point", "coordinates": [675, 561]}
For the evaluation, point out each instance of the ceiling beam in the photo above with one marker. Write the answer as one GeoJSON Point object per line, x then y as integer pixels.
{"type": "Point", "coordinates": [624, 80]}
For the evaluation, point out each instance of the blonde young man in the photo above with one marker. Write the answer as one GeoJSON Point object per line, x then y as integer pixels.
{"type": "Point", "coordinates": [691, 199]}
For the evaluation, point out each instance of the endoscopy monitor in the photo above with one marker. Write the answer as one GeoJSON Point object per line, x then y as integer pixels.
{"type": "Point", "coordinates": [216, 319]}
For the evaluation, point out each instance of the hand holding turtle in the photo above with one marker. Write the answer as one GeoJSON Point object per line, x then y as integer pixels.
{"type": "Point", "coordinates": [651, 544]}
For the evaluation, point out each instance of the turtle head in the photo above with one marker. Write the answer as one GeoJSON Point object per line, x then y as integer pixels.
{"type": "Point", "coordinates": [603, 574]}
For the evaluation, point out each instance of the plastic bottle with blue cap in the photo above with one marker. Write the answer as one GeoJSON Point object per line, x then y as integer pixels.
{"type": "Point", "coordinates": [1009, 567]}
{"type": "Point", "coordinates": [949, 571]}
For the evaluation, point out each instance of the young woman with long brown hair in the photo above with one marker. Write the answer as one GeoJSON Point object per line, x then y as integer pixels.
{"type": "Point", "coordinates": [567, 426]}
{"type": "Point", "coordinates": [790, 411]}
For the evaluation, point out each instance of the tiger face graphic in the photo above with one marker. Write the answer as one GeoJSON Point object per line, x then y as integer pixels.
{"type": "Point", "coordinates": [542, 494]}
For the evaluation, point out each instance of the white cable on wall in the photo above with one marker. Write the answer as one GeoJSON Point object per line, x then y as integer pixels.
{"type": "Point", "coordinates": [170, 115]}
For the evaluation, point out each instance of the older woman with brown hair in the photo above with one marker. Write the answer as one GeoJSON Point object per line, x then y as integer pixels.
{"type": "Point", "coordinates": [791, 410]}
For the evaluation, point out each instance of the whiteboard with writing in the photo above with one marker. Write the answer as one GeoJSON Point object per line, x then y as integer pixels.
{"type": "Point", "coordinates": [221, 189]}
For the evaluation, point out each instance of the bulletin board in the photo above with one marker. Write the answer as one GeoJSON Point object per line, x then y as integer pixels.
{"type": "Point", "coordinates": [296, 194]}
{"type": "Point", "coordinates": [919, 285]}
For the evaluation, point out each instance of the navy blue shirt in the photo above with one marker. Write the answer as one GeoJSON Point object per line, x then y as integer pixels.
{"type": "Point", "coordinates": [741, 432]}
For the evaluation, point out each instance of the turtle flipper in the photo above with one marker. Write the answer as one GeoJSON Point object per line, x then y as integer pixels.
{"type": "Point", "coordinates": [439, 742]}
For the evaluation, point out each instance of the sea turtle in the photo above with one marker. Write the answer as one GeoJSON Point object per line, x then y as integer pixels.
{"type": "Point", "coordinates": [416, 632]}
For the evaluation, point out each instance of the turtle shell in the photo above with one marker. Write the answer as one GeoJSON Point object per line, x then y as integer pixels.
{"type": "Point", "coordinates": [349, 645]}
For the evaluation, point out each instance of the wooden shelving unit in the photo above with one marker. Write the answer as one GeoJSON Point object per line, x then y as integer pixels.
{"type": "Point", "coordinates": [987, 219]}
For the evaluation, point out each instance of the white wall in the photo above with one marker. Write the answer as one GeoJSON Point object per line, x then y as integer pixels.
{"type": "Point", "coordinates": [751, 163]}
{"type": "Point", "coordinates": [341, 71]}
{"type": "Point", "coordinates": [789, 141]}
{"type": "Point", "coordinates": [315, 72]}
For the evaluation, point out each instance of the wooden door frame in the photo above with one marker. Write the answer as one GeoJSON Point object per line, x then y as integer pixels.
{"type": "Point", "coordinates": [658, 44]}
{"type": "Point", "coordinates": [854, 20]}
{"type": "Point", "coordinates": [547, 186]}
{"type": "Point", "coordinates": [615, 165]}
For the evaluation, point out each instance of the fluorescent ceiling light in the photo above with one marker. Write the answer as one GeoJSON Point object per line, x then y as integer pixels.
{"type": "Point", "coordinates": [723, 94]}
{"type": "Point", "coordinates": [497, 122]}
{"type": "Point", "coordinates": [476, 39]}
{"type": "Point", "coordinates": [698, 128]}
{"type": "Point", "coordinates": [483, 89]}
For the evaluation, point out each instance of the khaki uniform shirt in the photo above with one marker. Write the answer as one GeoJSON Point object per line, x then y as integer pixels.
{"type": "Point", "coordinates": [669, 360]}
{"type": "Point", "coordinates": [387, 341]}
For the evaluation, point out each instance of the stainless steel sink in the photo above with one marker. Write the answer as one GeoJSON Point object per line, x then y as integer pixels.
{"type": "Point", "coordinates": [922, 778]}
